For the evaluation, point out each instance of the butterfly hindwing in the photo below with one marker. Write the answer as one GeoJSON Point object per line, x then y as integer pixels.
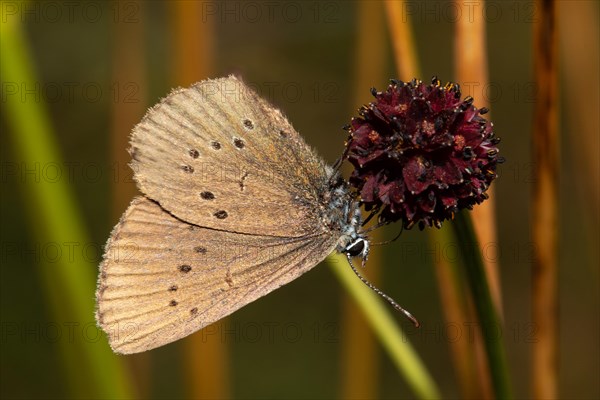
{"type": "Point", "coordinates": [162, 279]}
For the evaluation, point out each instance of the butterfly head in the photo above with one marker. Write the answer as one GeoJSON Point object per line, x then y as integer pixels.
{"type": "Point", "coordinates": [343, 213]}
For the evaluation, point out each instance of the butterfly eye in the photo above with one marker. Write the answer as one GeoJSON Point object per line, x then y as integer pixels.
{"type": "Point", "coordinates": [355, 248]}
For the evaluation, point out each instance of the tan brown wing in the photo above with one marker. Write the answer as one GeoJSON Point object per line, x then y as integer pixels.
{"type": "Point", "coordinates": [162, 279]}
{"type": "Point", "coordinates": [215, 152]}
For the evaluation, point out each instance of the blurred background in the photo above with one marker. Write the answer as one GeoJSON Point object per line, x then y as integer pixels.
{"type": "Point", "coordinates": [77, 76]}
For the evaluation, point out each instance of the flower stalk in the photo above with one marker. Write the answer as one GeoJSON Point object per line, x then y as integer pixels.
{"type": "Point", "coordinates": [486, 311]}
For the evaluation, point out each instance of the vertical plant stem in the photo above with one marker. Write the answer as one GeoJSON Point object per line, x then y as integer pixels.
{"type": "Point", "coordinates": [127, 108]}
{"type": "Point", "coordinates": [455, 313]}
{"type": "Point", "coordinates": [206, 355]}
{"type": "Point", "coordinates": [579, 69]}
{"type": "Point", "coordinates": [56, 218]}
{"type": "Point", "coordinates": [405, 55]}
{"type": "Point", "coordinates": [470, 58]}
{"type": "Point", "coordinates": [193, 43]}
{"type": "Point", "coordinates": [129, 105]}
{"type": "Point", "coordinates": [378, 313]}
{"type": "Point", "coordinates": [360, 353]}
{"type": "Point", "coordinates": [545, 202]}
{"type": "Point", "coordinates": [491, 325]}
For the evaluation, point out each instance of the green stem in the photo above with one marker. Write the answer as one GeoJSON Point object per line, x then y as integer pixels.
{"type": "Point", "coordinates": [490, 324]}
{"type": "Point", "coordinates": [385, 326]}
{"type": "Point", "coordinates": [93, 370]}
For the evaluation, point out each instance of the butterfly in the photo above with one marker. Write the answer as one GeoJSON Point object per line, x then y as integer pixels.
{"type": "Point", "coordinates": [234, 205]}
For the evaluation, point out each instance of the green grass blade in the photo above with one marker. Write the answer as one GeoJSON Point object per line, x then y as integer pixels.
{"type": "Point", "coordinates": [94, 371]}
{"type": "Point", "coordinates": [484, 305]}
{"type": "Point", "coordinates": [385, 326]}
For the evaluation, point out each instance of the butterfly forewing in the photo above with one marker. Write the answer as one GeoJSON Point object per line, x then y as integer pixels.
{"type": "Point", "coordinates": [218, 156]}
{"type": "Point", "coordinates": [162, 279]}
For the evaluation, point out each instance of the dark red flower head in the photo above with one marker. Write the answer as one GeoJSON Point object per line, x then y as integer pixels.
{"type": "Point", "coordinates": [420, 153]}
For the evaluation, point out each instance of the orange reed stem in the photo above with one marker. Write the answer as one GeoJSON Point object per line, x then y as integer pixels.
{"type": "Point", "coordinates": [360, 353]}
{"type": "Point", "coordinates": [470, 58]}
{"type": "Point", "coordinates": [405, 55]}
{"type": "Point", "coordinates": [545, 202]}
{"type": "Point", "coordinates": [127, 108]}
{"type": "Point", "coordinates": [206, 355]}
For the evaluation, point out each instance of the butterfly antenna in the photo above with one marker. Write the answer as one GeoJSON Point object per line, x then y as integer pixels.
{"type": "Point", "coordinates": [340, 160]}
{"type": "Point", "coordinates": [376, 226]}
{"type": "Point", "coordinates": [385, 296]}
{"type": "Point", "coordinates": [371, 215]}
{"type": "Point", "coordinates": [336, 175]}
{"type": "Point", "coordinates": [389, 241]}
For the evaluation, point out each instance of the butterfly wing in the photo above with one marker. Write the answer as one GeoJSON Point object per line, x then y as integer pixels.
{"type": "Point", "coordinates": [217, 155]}
{"type": "Point", "coordinates": [162, 279]}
